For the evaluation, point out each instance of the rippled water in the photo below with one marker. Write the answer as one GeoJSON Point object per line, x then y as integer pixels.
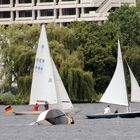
{"type": "Point", "coordinates": [17, 127]}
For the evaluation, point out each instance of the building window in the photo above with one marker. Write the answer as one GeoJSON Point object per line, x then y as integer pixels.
{"type": "Point", "coordinates": [70, 11]}
{"type": "Point", "coordinates": [5, 14]}
{"type": "Point", "coordinates": [25, 13]}
{"type": "Point", "coordinates": [4, 1]}
{"type": "Point", "coordinates": [90, 9]}
{"type": "Point", "coordinates": [14, 2]}
{"type": "Point", "coordinates": [25, 1]}
{"type": "Point", "coordinates": [46, 0]}
{"type": "Point", "coordinates": [48, 12]}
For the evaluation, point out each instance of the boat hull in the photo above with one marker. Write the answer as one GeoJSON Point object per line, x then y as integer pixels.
{"type": "Point", "coordinates": [115, 115]}
{"type": "Point", "coordinates": [28, 113]}
{"type": "Point", "coordinates": [129, 115]}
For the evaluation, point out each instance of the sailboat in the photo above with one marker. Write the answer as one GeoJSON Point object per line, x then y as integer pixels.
{"type": "Point", "coordinates": [116, 92]}
{"type": "Point", "coordinates": [46, 83]}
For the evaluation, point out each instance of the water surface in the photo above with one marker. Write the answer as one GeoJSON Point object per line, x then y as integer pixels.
{"type": "Point", "coordinates": [17, 127]}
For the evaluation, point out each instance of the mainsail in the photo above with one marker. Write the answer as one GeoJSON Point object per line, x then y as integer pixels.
{"type": "Point", "coordinates": [46, 83]}
{"type": "Point", "coordinates": [116, 92]}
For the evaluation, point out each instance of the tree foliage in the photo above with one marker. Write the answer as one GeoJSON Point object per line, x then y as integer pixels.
{"type": "Point", "coordinates": [84, 53]}
{"type": "Point", "coordinates": [17, 55]}
{"type": "Point", "coordinates": [129, 23]}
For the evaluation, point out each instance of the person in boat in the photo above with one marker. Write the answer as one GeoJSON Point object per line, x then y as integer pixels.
{"type": "Point", "coordinates": [46, 106]}
{"type": "Point", "coordinates": [107, 109]}
{"type": "Point", "coordinates": [116, 111]}
{"type": "Point", "coordinates": [36, 106]}
{"type": "Point", "coordinates": [70, 119]}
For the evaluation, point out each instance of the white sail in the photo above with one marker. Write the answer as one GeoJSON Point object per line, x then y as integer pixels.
{"type": "Point", "coordinates": [43, 86]}
{"type": "Point", "coordinates": [135, 89]}
{"type": "Point", "coordinates": [64, 101]}
{"type": "Point", "coordinates": [116, 92]}
{"type": "Point", "coordinates": [46, 83]}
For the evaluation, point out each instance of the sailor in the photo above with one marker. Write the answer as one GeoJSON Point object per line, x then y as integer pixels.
{"type": "Point", "coordinates": [116, 111]}
{"type": "Point", "coordinates": [70, 119]}
{"type": "Point", "coordinates": [36, 106]}
{"type": "Point", "coordinates": [107, 110]}
{"type": "Point", "coordinates": [46, 106]}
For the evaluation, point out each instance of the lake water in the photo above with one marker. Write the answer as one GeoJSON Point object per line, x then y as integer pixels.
{"type": "Point", "coordinates": [17, 127]}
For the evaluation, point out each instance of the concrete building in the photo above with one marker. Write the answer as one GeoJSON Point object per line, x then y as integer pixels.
{"type": "Point", "coordinates": [58, 11]}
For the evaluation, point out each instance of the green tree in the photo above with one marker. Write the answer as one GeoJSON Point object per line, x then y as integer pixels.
{"type": "Point", "coordinates": [18, 56]}
{"type": "Point", "coordinates": [83, 33]}
{"type": "Point", "coordinates": [138, 5]}
{"type": "Point", "coordinates": [127, 19]}
{"type": "Point", "coordinates": [63, 35]}
{"type": "Point", "coordinates": [79, 84]}
{"type": "Point", "coordinates": [133, 58]}
{"type": "Point", "coordinates": [18, 48]}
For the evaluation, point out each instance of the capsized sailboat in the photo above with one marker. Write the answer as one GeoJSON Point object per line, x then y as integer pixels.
{"type": "Point", "coordinates": [46, 82]}
{"type": "Point", "coordinates": [53, 116]}
{"type": "Point", "coordinates": [116, 92]}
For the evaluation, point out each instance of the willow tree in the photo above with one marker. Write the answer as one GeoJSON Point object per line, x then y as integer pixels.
{"type": "Point", "coordinates": [58, 52]}
{"type": "Point", "coordinates": [18, 57]}
{"type": "Point", "coordinates": [79, 83]}
{"type": "Point", "coordinates": [63, 35]}
{"type": "Point", "coordinates": [69, 61]}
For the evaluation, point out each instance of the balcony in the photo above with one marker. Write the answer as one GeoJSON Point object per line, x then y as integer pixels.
{"type": "Point", "coordinates": [45, 4]}
{"type": "Point", "coordinates": [5, 6]}
{"type": "Point", "coordinates": [24, 19]}
{"type": "Point", "coordinates": [24, 3]}
{"type": "Point", "coordinates": [6, 21]}
{"type": "Point", "coordinates": [92, 16]}
{"type": "Point", "coordinates": [86, 1]}
{"type": "Point", "coordinates": [66, 18]}
{"type": "Point", "coordinates": [130, 2]}
{"type": "Point", "coordinates": [68, 2]}
{"type": "Point", "coordinates": [46, 19]}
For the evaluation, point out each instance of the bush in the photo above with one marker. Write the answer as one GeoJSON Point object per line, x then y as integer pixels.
{"type": "Point", "coordinates": [8, 98]}
{"type": "Point", "coordinates": [21, 99]}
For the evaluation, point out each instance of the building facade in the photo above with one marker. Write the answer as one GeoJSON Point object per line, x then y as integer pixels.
{"type": "Point", "coordinates": [57, 11]}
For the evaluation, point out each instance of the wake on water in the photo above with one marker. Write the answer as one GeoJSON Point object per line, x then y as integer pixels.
{"type": "Point", "coordinates": [33, 123]}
